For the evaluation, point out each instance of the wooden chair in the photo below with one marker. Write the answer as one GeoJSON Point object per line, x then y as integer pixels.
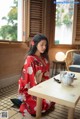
{"type": "Point", "coordinates": [69, 60]}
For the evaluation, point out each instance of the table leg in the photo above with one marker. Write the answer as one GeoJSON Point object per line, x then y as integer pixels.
{"type": "Point", "coordinates": [55, 68]}
{"type": "Point", "coordinates": [39, 107]}
{"type": "Point", "coordinates": [52, 69]}
{"type": "Point", "coordinates": [71, 113]}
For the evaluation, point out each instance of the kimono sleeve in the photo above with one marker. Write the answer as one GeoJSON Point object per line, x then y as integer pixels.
{"type": "Point", "coordinates": [46, 74]}
{"type": "Point", "coordinates": [27, 79]}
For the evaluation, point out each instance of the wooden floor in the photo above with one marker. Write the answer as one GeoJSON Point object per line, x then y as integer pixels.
{"type": "Point", "coordinates": [9, 92]}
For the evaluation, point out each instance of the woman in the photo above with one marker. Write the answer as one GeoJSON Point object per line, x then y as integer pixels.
{"type": "Point", "coordinates": [35, 71]}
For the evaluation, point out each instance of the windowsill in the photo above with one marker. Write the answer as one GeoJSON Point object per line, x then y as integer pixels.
{"type": "Point", "coordinates": [7, 41]}
{"type": "Point", "coordinates": [64, 46]}
{"type": "Point", "coordinates": [11, 44]}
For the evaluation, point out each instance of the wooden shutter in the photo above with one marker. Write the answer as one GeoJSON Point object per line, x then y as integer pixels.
{"type": "Point", "coordinates": [76, 24]}
{"type": "Point", "coordinates": [36, 17]}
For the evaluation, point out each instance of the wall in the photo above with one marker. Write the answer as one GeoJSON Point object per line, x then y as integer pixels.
{"type": "Point", "coordinates": [11, 61]}
{"type": "Point", "coordinates": [59, 48]}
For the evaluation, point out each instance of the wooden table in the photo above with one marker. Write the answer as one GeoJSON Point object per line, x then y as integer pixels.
{"type": "Point", "coordinates": [57, 92]}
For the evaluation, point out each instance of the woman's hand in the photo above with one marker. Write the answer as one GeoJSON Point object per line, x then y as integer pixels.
{"type": "Point", "coordinates": [38, 76]}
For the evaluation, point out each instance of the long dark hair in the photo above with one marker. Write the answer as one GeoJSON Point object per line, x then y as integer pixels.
{"type": "Point", "coordinates": [33, 48]}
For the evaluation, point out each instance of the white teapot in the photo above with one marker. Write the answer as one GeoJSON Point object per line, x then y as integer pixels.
{"type": "Point", "coordinates": [67, 78]}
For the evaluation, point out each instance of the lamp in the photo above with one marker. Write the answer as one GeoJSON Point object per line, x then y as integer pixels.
{"type": "Point", "coordinates": [60, 56]}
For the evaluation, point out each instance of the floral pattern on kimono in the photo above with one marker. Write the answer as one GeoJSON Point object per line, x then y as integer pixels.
{"type": "Point", "coordinates": [34, 71]}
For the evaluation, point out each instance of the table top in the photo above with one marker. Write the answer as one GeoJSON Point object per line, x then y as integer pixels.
{"type": "Point", "coordinates": [57, 92]}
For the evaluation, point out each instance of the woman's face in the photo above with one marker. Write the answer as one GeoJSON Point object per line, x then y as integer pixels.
{"type": "Point", "coordinates": [41, 46]}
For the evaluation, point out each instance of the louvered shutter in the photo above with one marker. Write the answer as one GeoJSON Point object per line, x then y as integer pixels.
{"type": "Point", "coordinates": [36, 17]}
{"type": "Point", "coordinates": [78, 24]}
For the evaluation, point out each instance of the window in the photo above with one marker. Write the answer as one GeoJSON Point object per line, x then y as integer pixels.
{"type": "Point", "coordinates": [10, 20]}
{"type": "Point", "coordinates": [64, 21]}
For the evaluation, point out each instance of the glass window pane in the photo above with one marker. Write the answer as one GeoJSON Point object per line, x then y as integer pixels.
{"type": "Point", "coordinates": [64, 21]}
{"type": "Point", "coordinates": [11, 20]}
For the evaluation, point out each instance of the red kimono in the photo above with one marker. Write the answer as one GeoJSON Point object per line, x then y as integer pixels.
{"type": "Point", "coordinates": [34, 71]}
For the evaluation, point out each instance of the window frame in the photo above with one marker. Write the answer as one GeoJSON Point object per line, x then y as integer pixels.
{"type": "Point", "coordinates": [52, 40]}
